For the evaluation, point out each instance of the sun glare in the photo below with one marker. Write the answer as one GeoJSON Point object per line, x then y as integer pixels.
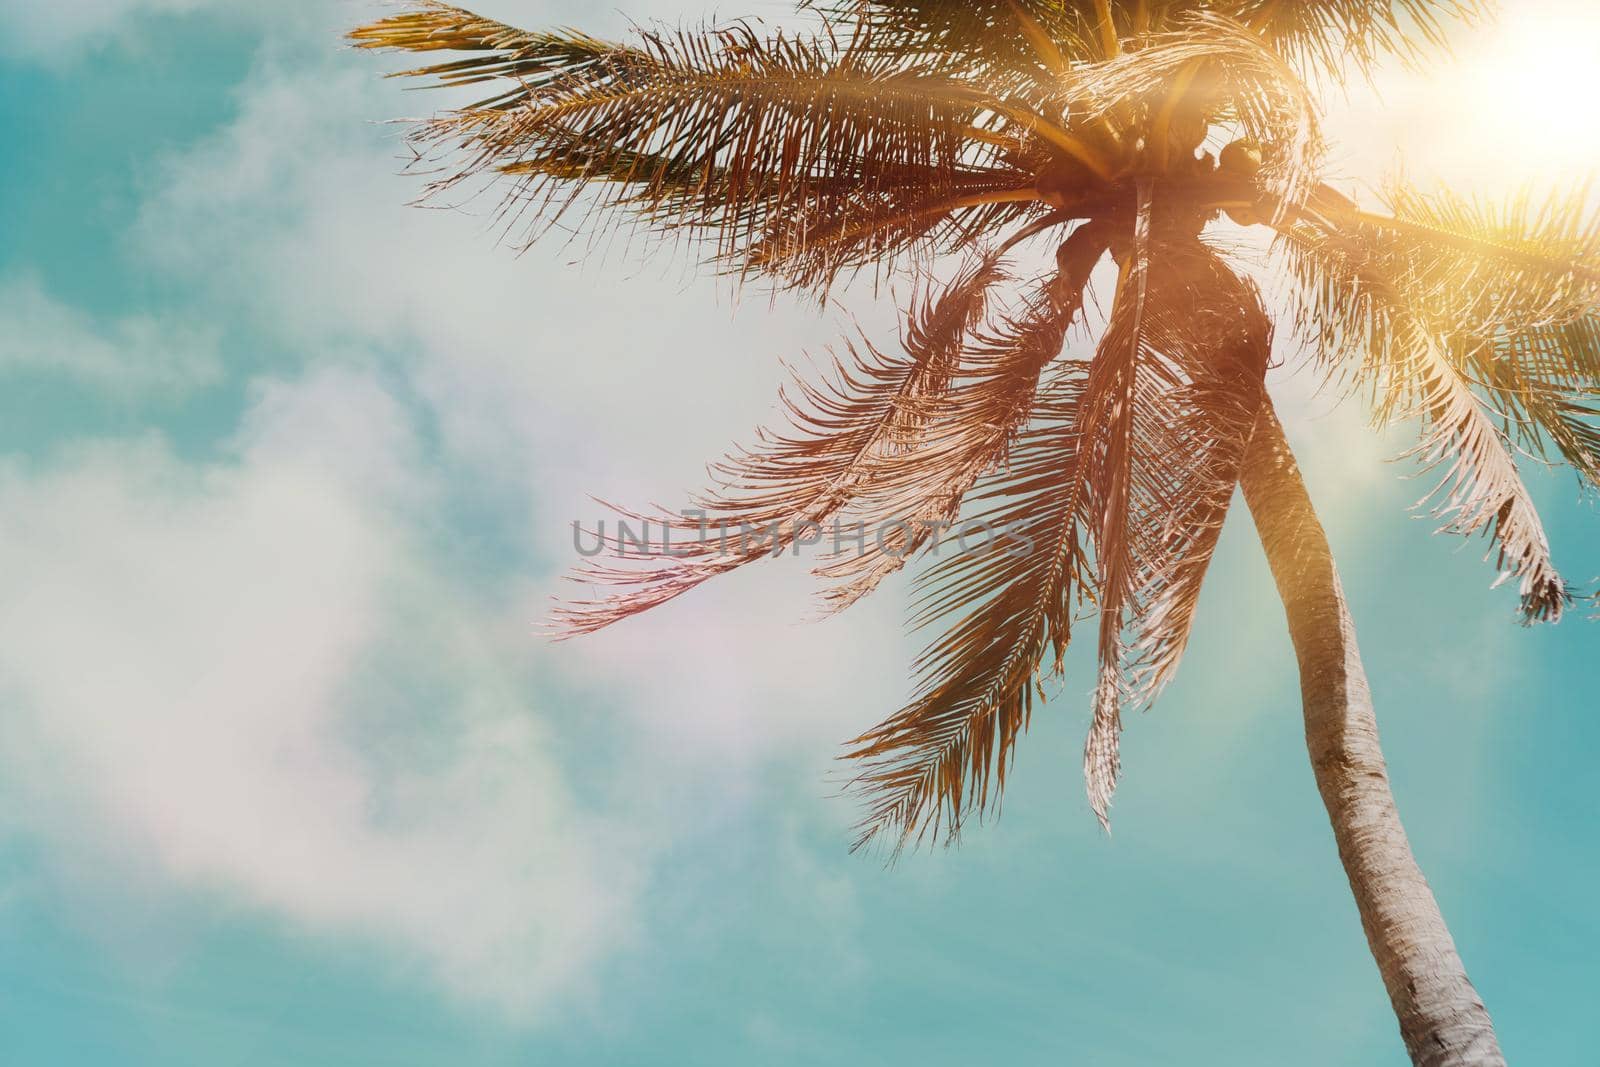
{"type": "Point", "coordinates": [1526, 90]}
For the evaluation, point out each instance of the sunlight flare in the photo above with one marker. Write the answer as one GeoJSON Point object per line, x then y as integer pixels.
{"type": "Point", "coordinates": [1525, 90]}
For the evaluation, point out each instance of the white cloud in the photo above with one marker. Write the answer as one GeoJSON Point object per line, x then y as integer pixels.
{"type": "Point", "coordinates": [288, 702]}
{"type": "Point", "coordinates": [62, 33]}
{"type": "Point", "coordinates": [559, 369]}
{"type": "Point", "coordinates": [129, 358]}
{"type": "Point", "coordinates": [191, 655]}
{"type": "Point", "coordinates": [551, 379]}
{"type": "Point", "coordinates": [54, 32]}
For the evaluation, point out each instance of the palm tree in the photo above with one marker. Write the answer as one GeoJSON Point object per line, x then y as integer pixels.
{"type": "Point", "coordinates": [920, 138]}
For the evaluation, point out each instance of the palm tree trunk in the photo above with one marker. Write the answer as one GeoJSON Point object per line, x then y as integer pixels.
{"type": "Point", "coordinates": [1442, 1018]}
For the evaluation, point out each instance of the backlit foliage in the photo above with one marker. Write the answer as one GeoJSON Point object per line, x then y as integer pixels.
{"type": "Point", "coordinates": [897, 132]}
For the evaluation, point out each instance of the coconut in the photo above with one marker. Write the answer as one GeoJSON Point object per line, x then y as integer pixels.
{"type": "Point", "coordinates": [1241, 159]}
{"type": "Point", "coordinates": [1062, 181]}
{"type": "Point", "coordinates": [1244, 216]}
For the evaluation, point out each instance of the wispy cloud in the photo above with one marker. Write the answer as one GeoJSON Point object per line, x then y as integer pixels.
{"type": "Point", "coordinates": [60, 32]}
{"type": "Point", "coordinates": [129, 358]}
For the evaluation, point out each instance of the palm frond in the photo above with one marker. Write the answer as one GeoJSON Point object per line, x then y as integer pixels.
{"type": "Point", "coordinates": [1542, 396]}
{"type": "Point", "coordinates": [1526, 270]}
{"type": "Point", "coordinates": [965, 432]}
{"type": "Point", "coordinates": [1239, 78]}
{"type": "Point", "coordinates": [841, 430]}
{"type": "Point", "coordinates": [724, 131]}
{"type": "Point", "coordinates": [1481, 491]}
{"type": "Point", "coordinates": [1221, 353]}
{"type": "Point", "coordinates": [943, 758]}
{"type": "Point", "coordinates": [1115, 492]}
{"type": "Point", "coordinates": [1107, 423]}
{"type": "Point", "coordinates": [996, 40]}
{"type": "Point", "coordinates": [1513, 291]}
{"type": "Point", "coordinates": [1009, 598]}
{"type": "Point", "coordinates": [530, 59]}
{"type": "Point", "coordinates": [1491, 268]}
{"type": "Point", "coordinates": [1184, 356]}
{"type": "Point", "coordinates": [835, 236]}
{"type": "Point", "coordinates": [1482, 323]}
{"type": "Point", "coordinates": [1329, 38]}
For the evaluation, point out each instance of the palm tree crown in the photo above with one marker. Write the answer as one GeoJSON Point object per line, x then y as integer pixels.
{"type": "Point", "coordinates": [902, 131]}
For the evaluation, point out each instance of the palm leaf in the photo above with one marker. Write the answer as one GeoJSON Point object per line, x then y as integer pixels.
{"type": "Point", "coordinates": [1220, 342]}
{"type": "Point", "coordinates": [1481, 491]}
{"type": "Point", "coordinates": [1522, 275]}
{"type": "Point", "coordinates": [1135, 456]}
{"type": "Point", "coordinates": [996, 40]}
{"type": "Point", "coordinates": [530, 59]}
{"type": "Point", "coordinates": [1331, 37]}
{"type": "Point", "coordinates": [943, 757]}
{"type": "Point", "coordinates": [722, 130]}
{"type": "Point", "coordinates": [884, 229]}
{"type": "Point", "coordinates": [1184, 358]}
{"type": "Point", "coordinates": [1242, 82]}
{"type": "Point", "coordinates": [770, 496]}
{"type": "Point", "coordinates": [1326, 39]}
{"type": "Point", "coordinates": [966, 431]}
{"type": "Point", "coordinates": [1107, 431]}
{"type": "Point", "coordinates": [1481, 324]}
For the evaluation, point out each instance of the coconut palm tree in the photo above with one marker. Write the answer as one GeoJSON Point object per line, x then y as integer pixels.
{"type": "Point", "coordinates": [955, 139]}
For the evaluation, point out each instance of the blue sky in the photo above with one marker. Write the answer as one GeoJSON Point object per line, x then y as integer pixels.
{"type": "Point", "coordinates": [286, 775]}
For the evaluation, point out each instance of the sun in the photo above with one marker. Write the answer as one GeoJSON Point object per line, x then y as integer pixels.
{"type": "Point", "coordinates": [1514, 106]}
{"type": "Point", "coordinates": [1524, 89]}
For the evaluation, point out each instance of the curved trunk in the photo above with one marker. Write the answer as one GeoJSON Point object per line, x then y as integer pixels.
{"type": "Point", "coordinates": [1442, 1019]}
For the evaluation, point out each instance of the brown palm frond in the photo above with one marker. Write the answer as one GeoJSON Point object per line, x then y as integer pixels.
{"type": "Point", "coordinates": [777, 493]}
{"type": "Point", "coordinates": [1327, 38]}
{"type": "Point", "coordinates": [1135, 455]}
{"type": "Point", "coordinates": [944, 757]}
{"type": "Point", "coordinates": [722, 129]}
{"type": "Point", "coordinates": [1243, 80]}
{"type": "Point", "coordinates": [1485, 269]}
{"type": "Point", "coordinates": [1188, 345]}
{"type": "Point", "coordinates": [1222, 351]}
{"type": "Point", "coordinates": [1527, 270]}
{"type": "Point", "coordinates": [1481, 491]}
{"type": "Point", "coordinates": [965, 431]}
{"type": "Point", "coordinates": [885, 229]}
{"type": "Point", "coordinates": [1514, 292]}
{"type": "Point", "coordinates": [1541, 392]}
{"type": "Point", "coordinates": [1107, 472]}
{"type": "Point", "coordinates": [530, 59]}
{"type": "Point", "coordinates": [997, 40]}
{"type": "Point", "coordinates": [1481, 322]}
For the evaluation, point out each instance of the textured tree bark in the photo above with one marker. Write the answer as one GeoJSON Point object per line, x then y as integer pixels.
{"type": "Point", "coordinates": [1442, 1018]}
